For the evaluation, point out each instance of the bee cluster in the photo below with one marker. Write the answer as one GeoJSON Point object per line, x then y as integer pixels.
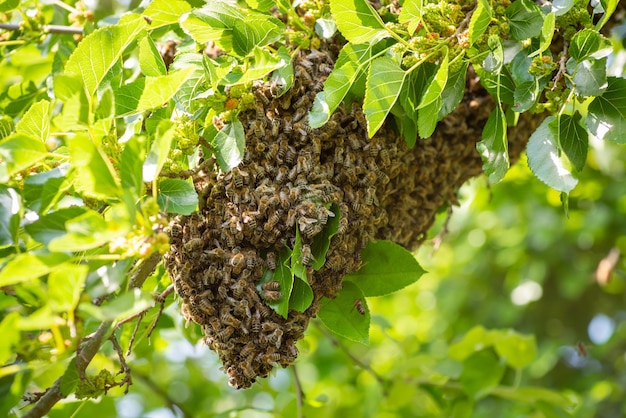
{"type": "Point", "coordinates": [289, 177]}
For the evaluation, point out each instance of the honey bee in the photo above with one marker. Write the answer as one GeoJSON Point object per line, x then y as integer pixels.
{"type": "Point", "coordinates": [237, 261]}
{"type": "Point", "coordinates": [287, 124]}
{"type": "Point", "coordinates": [264, 311]}
{"type": "Point", "coordinates": [290, 155]}
{"type": "Point", "coordinates": [272, 151]}
{"type": "Point", "coordinates": [304, 164]}
{"type": "Point", "coordinates": [369, 195]}
{"type": "Point", "coordinates": [302, 74]}
{"type": "Point", "coordinates": [293, 173]}
{"type": "Point", "coordinates": [272, 296]}
{"type": "Point", "coordinates": [247, 349]}
{"type": "Point", "coordinates": [269, 326]}
{"type": "Point", "coordinates": [228, 319]}
{"type": "Point", "coordinates": [255, 323]}
{"type": "Point", "coordinates": [302, 102]}
{"type": "Point", "coordinates": [276, 338]}
{"type": "Point", "coordinates": [272, 357]}
{"type": "Point", "coordinates": [239, 287]}
{"type": "Point", "coordinates": [283, 173]}
{"type": "Point", "coordinates": [193, 244]}
{"type": "Point", "coordinates": [324, 68]}
{"type": "Point", "coordinates": [312, 230]}
{"type": "Point", "coordinates": [297, 115]}
{"type": "Point", "coordinates": [353, 142]}
{"type": "Point", "coordinates": [225, 333]}
{"type": "Point", "coordinates": [239, 177]}
{"type": "Point", "coordinates": [306, 255]}
{"type": "Point", "coordinates": [339, 155]}
{"type": "Point", "coordinates": [275, 127]}
{"type": "Point", "coordinates": [273, 285]}
{"type": "Point", "coordinates": [259, 129]}
{"type": "Point", "coordinates": [285, 100]}
{"type": "Point", "coordinates": [358, 305]}
{"type": "Point", "coordinates": [248, 371]}
{"type": "Point", "coordinates": [262, 97]}
{"type": "Point", "coordinates": [334, 263]}
{"type": "Point", "coordinates": [263, 205]}
{"type": "Point", "coordinates": [272, 221]}
{"type": "Point", "coordinates": [382, 176]}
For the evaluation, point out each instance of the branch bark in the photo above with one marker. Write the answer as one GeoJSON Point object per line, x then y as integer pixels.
{"type": "Point", "coordinates": [64, 30]}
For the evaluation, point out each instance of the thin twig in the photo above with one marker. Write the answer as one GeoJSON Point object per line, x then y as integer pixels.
{"type": "Point", "coordinates": [438, 239]}
{"type": "Point", "coordinates": [83, 357]}
{"type": "Point", "coordinates": [144, 270]}
{"type": "Point", "coordinates": [133, 335]}
{"type": "Point", "coordinates": [355, 359]}
{"type": "Point", "coordinates": [562, 69]}
{"type": "Point", "coordinates": [64, 30]}
{"type": "Point", "coordinates": [299, 391]}
{"type": "Point", "coordinates": [127, 380]}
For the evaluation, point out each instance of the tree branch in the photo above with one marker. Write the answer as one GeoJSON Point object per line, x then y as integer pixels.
{"type": "Point", "coordinates": [64, 30]}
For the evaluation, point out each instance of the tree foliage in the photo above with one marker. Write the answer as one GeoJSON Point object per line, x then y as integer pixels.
{"type": "Point", "coordinates": [105, 118]}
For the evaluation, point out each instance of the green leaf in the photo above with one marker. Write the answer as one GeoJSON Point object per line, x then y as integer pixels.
{"type": "Point", "coordinates": [6, 126]}
{"type": "Point", "coordinates": [340, 316]}
{"type": "Point", "coordinates": [96, 177]}
{"type": "Point", "coordinates": [20, 151]}
{"type": "Point", "coordinates": [52, 225]}
{"type": "Point", "coordinates": [411, 13]}
{"type": "Point", "coordinates": [10, 335]}
{"type": "Point", "coordinates": [99, 51]}
{"type": "Point", "coordinates": [159, 150]}
{"type": "Point", "coordinates": [284, 276]}
{"type": "Point", "coordinates": [28, 266]}
{"type": "Point", "coordinates": [263, 63]}
{"type": "Point", "coordinates": [36, 121]}
{"type": "Point", "coordinates": [321, 242]}
{"type": "Point", "coordinates": [493, 149]}
{"type": "Point", "coordinates": [301, 295]}
{"type": "Point", "coordinates": [384, 83]}
{"type": "Point", "coordinates": [203, 28]}
{"type": "Point", "coordinates": [150, 60]}
{"type": "Point", "coordinates": [589, 76]}
{"type": "Point", "coordinates": [177, 196]}
{"type": "Point", "coordinates": [437, 84]}
{"type": "Point", "coordinates": [357, 21]}
{"type": "Point", "coordinates": [476, 339]}
{"type": "Point", "coordinates": [501, 86]}
{"type": "Point", "coordinates": [70, 379]}
{"type": "Point", "coordinates": [325, 28]}
{"type": "Point", "coordinates": [534, 395]}
{"type": "Point", "coordinates": [283, 75]}
{"type": "Point", "coordinates": [131, 165]}
{"type": "Point", "coordinates": [588, 43]}
{"type": "Point", "coordinates": [149, 92]}
{"type": "Point", "coordinates": [517, 350]}
{"type": "Point", "coordinates": [254, 31]}
{"type": "Point", "coordinates": [229, 145]}
{"type": "Point", "coordinates": [90, 230]}
{"type": "Point", "coordinates": [525, 19]}
{"type": "Point", "coordinates": [260, 5]}
{"type": "Point", "coordinates": [452, 93]}
{"type": "Point", "coordinates": [106, 107]}
{"type": "Point", "coordinates": [479, 21]}
{"type": "Point", "coordinates": [127, 304]}
{"type": "Point", "coordinates": [427, 118]}
{"type": "Point", "coordinates": [572, 138]}
{"type": "Point", "coordinates": [7, 6]}
{"type": "Point", "coordinates": [494, 61]}
{"type": "Point", "coordinates": [387, 268]}
{"type": "Point", "coordinates": [165, 12]}
{"type": "Point", "coordinates": [547, 32]}
{"type": "Point", "coordinates": [560, 7]}
{"type": "Point", "coordinates": [482, 371]}
{"type": "Point", "coordinates": [606, 118]}
{"type": "Point", "coordinates": [65, 285]}
{"type": "Point", "coordinates": [609, 7]}
{"type": "Point", "coordinates": [544, 159]}
{"type": "Point", "coordinates": [297, 267]}
{"type": "Point", "coordinates": [526, 95]}
{"type": "Point", "coordinates": [10, 209]}
{"type": "Point", "coordinates": [351, 62]}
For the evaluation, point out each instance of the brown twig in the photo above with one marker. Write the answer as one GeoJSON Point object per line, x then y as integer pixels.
{"type": "Point", "coordinates": [144, 270]}
{"type": "Point", "coordinates": [299, 391]}
{"type": "Point", "coordinates": [127, 380]}
{"type": "Point", "coordinates": [562, 69]}
{"type": "Point", "coordinates": [64, 30]}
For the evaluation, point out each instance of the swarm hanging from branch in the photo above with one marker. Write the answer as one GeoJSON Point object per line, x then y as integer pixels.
{"type": "Point", "coordinates": [289, 176]}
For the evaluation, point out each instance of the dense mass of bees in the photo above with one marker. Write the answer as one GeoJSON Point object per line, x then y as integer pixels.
{"type": "Point", "coordinates": [289, 176]}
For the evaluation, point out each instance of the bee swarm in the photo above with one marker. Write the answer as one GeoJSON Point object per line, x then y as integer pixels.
{"type": "Point", "coordinates": [289, 175]}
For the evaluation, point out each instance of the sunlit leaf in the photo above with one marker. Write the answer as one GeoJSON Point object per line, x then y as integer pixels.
{"type": "Point", "coordinates": [89, 230]}
{"type": "Point", "coordinates": [150, 61]}
{"type": "Point", "coordinates": [229, 145]}
{"type": "Point", "coordinates": [96, 177]}
{"type": "Point", "coordinates": [52, 225]}
{"type": "Point", "coordinates": [28, 266]}
{"type": "Point", "coordinates": [606, 117]}
{"type": "Point", "coordinates": [357, 21]}
{"type": "Point", "coordinates": [263, 63]}
{"type": "Point", "coordinates": [165, 12]}
{"type": "Point", "coordinates": [589, 76]}
{"type": "Point", "coordinates": [384, 83]}
{"type": "Point", "coordinates": [99, 51]}
{"type": "Point", "coordinates": [149, 92]}
{"type": "Point", "coordinates": [479, 21]}
{"type": "Point", "coordinates": [177, 196]}
{"type": "Point", "coordinates": [351, 62]}
{"type": "Point", "coordinates": [516, 349]}
{"type": "Point", "coordinates": [411, 13]}
{"type": "Point", "coordinates": [387, 268]}
{"type": "Point", "coordinates": [65, 285]}
{"type": "Point", "coordinates": [341, 317]}
{"type": "Point", "coordinates": [159, 150]}
{"type": "Point", "coordinates": [482, 371]}
{"type": "Point", "coordinates": [10, 209]}
{"type": "Point", "coordinates": [36, 121]}
{"type": "Point", "coordinates": [544, 159]}
{"type": "Point", "coordinates": [493, 148]}
{"type": "Point", "coordinates": [283, 76]}
{"type": "Point", "coordinates": [588, 43]}
{"type": "Point", "coordinates": [572, 138]}
{"type": "Point", "coordinates": [437, 84]}
{"type": "Point", "coordinates": [20, 151]}
{"type": "Point", "coordinates": [10, 335]}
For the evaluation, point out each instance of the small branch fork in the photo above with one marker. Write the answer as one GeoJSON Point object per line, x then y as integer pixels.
{"type": "Point", "coordinates": [90, 345]}
{"type": "Point", "coordinates": [63, 30]}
